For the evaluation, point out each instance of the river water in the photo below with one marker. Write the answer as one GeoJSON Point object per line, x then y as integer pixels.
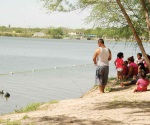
{"type": "Point", "coordinates": [40, 70]}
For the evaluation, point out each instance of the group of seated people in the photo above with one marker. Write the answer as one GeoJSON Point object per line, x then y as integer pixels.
{"type": "Point", "coordinates": [130, 72]}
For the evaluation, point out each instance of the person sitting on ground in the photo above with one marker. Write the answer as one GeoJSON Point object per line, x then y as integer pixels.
{"type": "Point", "coordinates": [125, 69]}
{"type": "Point", "coordinates": [133, 68]}
{"type": "Point", "coordinates": [126, 83]}
{"type": "Point", "coordinates": [119, 65]}
{"type": "Point", "coordinates": [141, 68]}
{"type": "Point", "coordinates": [139, 58]}
{"type": "Point", "coordinates": [142, 83]}
{"type": "Point", "coordinates": [145, 64]}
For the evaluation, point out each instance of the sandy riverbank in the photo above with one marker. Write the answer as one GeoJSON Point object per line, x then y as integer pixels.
{"type": "Point", "coordinates": [119, 107]}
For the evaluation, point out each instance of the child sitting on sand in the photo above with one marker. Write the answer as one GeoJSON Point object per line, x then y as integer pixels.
{"type": "Point", "coordinates": [142, 83]}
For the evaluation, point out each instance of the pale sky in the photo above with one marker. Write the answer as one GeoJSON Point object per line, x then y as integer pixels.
{"type": "Point", "coordinates": [30, 13]}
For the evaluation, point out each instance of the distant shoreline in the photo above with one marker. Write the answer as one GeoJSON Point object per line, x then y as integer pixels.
{"type": "Point", "coordinates": [67, 38]}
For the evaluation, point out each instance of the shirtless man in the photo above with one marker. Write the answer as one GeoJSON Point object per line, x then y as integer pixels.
{"type": "Point", "coordinates": [101, 59]}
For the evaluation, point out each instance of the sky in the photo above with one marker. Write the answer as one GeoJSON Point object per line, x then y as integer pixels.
{"type": "Point", "coordinates": [31, 14]}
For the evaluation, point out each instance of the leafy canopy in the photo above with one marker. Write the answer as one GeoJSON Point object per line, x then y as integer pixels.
{"type": "Point", "coordinates": [104, 13]}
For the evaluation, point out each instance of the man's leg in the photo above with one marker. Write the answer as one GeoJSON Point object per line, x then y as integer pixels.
{"type": "Point", "coordinates": [101, 88]}
{"type": "Point", "coordinates": [104, 79]}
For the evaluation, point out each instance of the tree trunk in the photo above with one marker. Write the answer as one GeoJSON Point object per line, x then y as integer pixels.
{"type": "Point", "coordinates": [143, 3]}
{"type": "Point", "coordinates": [139, 42]}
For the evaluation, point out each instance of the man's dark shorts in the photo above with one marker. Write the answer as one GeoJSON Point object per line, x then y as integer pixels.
{"type": "Point", "coordinates": [102, 75]}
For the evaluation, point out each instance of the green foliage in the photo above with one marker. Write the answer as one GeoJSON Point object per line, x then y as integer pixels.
{"type": "Point", "coordinates": [118, 82]}
{"type": "Point", "coordinates": [53, 101]}
{"type": "Point", "coordinates": [108, 89]}
{"type": "Point", "coordinates": [111, 78]}
{"type": "Point", "coordinates": [106, 14]}
{"type": "Point", "coordinates": [28, 108]}
{"type": "Point", "coordinates": [117, 33]}
{"type": "Point", "coordinates": [3, 29]}
{"type": "Point", "coordinates": [59, 5]}
{"type": "Point", "coordinates": [9, 122]}
{"type": "Point", "coordinates": [29, 32]}
{"type": "Point", "coordinates": [18, 31]}
{"type": "Point", "coordinates": [113, 32]}
{"type": "Point", "coordinates": [56, 33]}
{"type": "Point", "coordinates": [26, 117]}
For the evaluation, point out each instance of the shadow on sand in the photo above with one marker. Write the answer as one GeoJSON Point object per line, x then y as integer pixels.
{"type": "Point", "coordinates": [64, 120]}
{"type": "Point", "coordinates": [143, 107]}
{"type": "Point", "coordinates": [120, 88]}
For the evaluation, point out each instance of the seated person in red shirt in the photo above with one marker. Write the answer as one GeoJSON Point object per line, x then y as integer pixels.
{"type": "Point", "coordinates": [141, 68]}
{"type": "Point", "coordinates": [125, 69]}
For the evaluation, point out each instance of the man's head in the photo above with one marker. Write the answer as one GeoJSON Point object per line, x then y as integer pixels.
{"type": "Point", "coordinates": [100, 42]}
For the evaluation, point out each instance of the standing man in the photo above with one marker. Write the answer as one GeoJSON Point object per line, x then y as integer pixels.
{"type": "Point", "coordinates": [101, 59]}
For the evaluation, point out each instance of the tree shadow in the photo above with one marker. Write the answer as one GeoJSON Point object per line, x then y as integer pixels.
{"type": "Point", "coordinates": [119, 88]}
{"type": "Point", "coordinates": [65, 120]}
{"type": "Point", "coordinates": [114, 89]}
{"type": "Point", "coordinates": [140, 113]}
{"type": "Point", "coordinates": [144, 106]}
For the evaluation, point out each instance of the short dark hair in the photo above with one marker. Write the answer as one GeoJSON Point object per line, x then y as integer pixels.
{"type": "Point", "coordinates": [125, 62]}
{"type": "Point", "coordinates": [139, 54]}
{"type": "Point", "coordinates": [142, 66]}
{"type": "Point", "coordinates": [101, 40]}
{"type": "Point", "coordinates": [120, 55]}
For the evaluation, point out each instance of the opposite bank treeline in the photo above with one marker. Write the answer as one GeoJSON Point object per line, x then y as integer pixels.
{"type": "Point", "coordinates": [60, 33]}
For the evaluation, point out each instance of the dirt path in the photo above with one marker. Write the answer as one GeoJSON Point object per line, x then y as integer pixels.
{"type": "Point", "coordinates": [119, 107]}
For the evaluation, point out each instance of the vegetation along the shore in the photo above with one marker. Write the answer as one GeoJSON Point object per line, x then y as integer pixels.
{"type": "Point", "coordinates": [61, 32]}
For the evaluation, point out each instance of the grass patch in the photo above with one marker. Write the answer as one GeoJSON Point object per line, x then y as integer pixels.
{"type": "Point", "coordinates": [9, 122]}
{"type": "Point", "coordinates": [118, 82]}
{"type": "Point", "coordinates": [28, 108]}
{"type": "Point", "coordinates": [111, 78]}
{"type": "Point", "coordinates": [35, 106]}
{"type": "Point", "coordinates": [94, 87]}
{"type": "Point", "coordinates": [25, 117]}
{"type": "Point", "coordinates": [123, 80]}
{"type": "Point", "coordinates": [53, 101]}
{"type": "Point", "coordinates": [45, 106]}
{"type": "Point", "coordinates": [108, 89]}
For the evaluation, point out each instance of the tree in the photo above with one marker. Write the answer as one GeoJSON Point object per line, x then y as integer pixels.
{"type": "Point", "coordinates": [111, 13]}
{"type": "Point", "coordinates": [135, 34]}
{"type": "Point", "coordinates": [55, 32]}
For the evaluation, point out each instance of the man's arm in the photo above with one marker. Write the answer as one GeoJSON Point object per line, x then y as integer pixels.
{"type": "Point", "coordinates": [110, 56]}
{"type": "Point", "coordinates": [95, 56]}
